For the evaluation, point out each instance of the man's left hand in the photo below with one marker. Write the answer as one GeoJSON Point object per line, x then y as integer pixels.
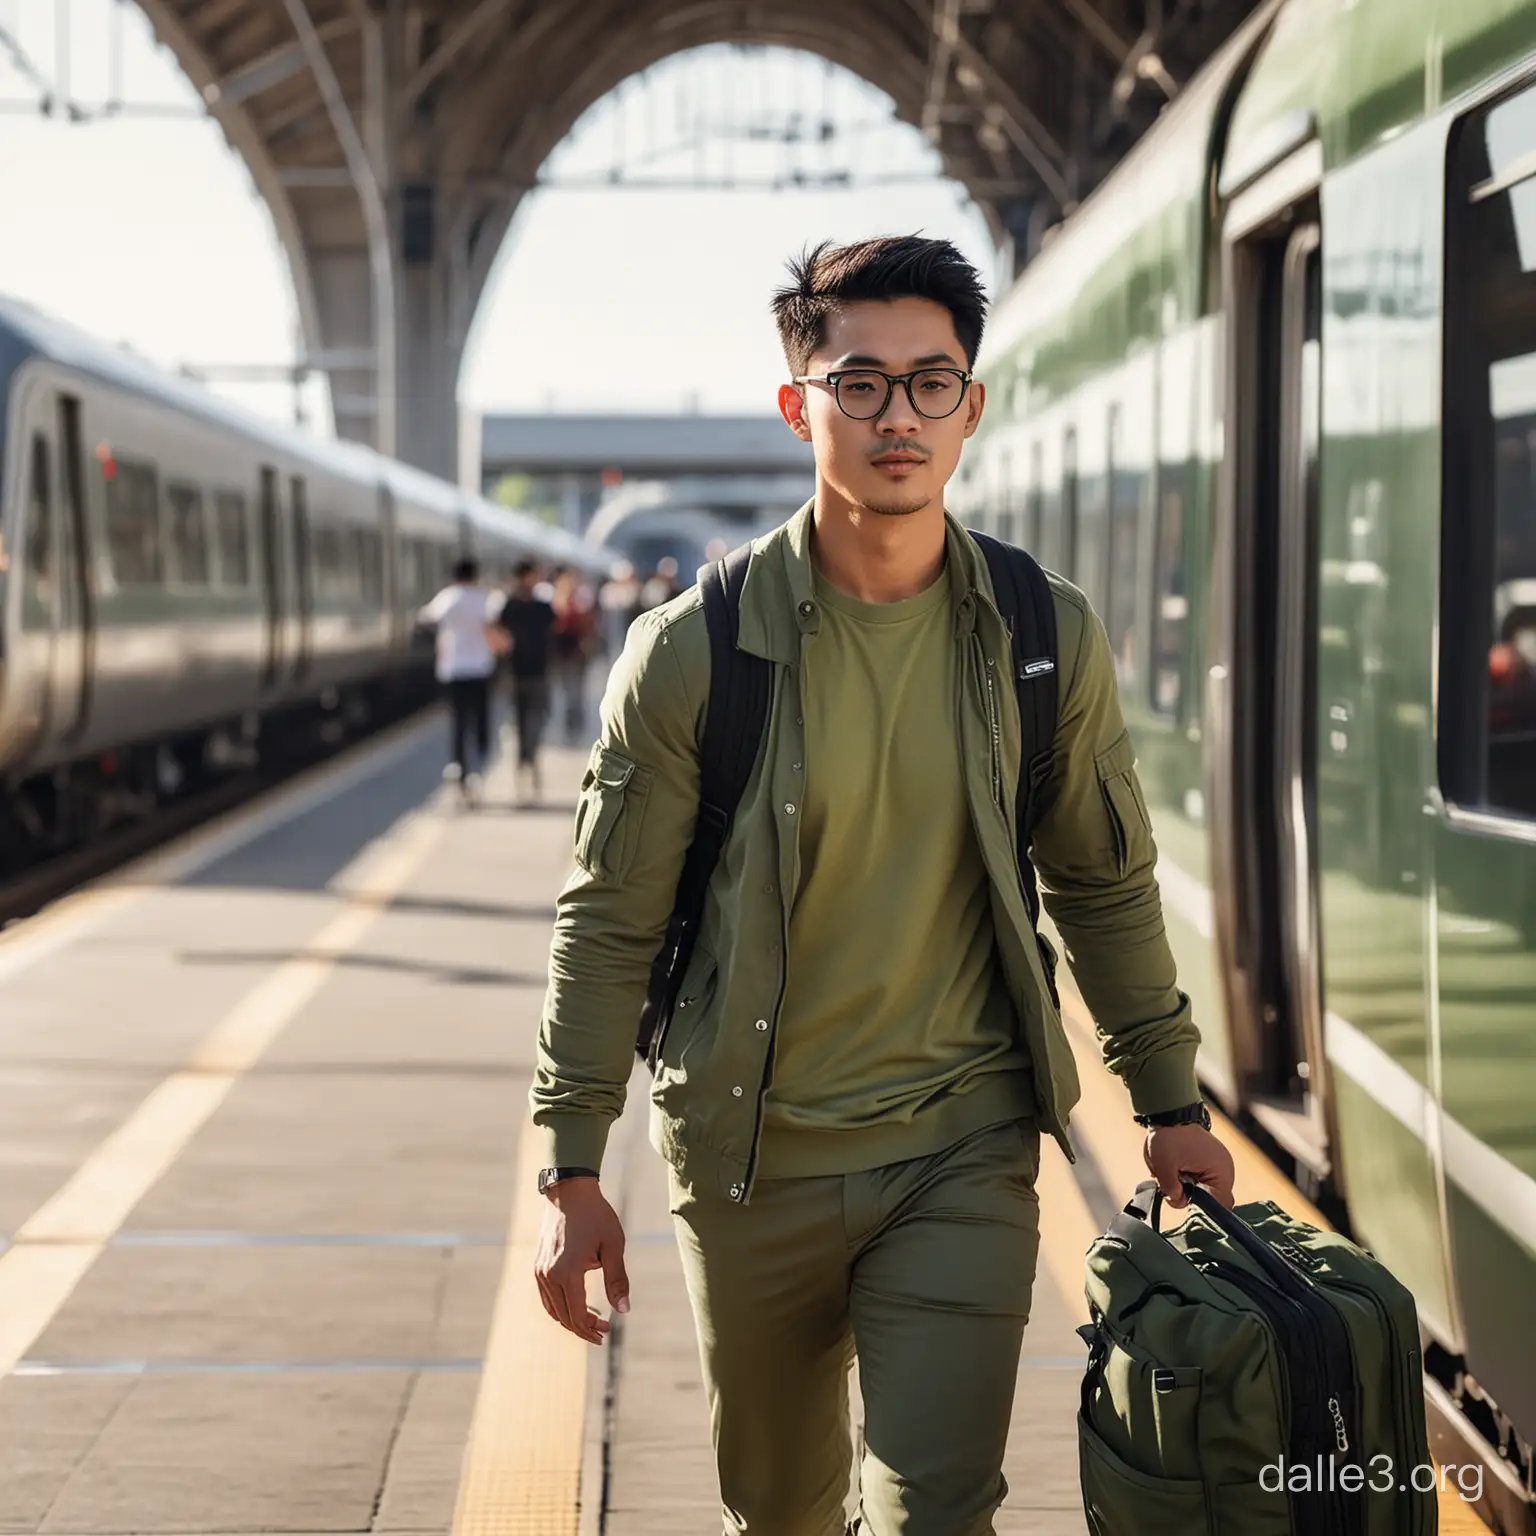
{"type": "Point", "coordinates": [1177, 1152]}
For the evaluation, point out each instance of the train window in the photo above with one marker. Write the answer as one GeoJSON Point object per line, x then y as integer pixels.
{"type": "Point", "coordinates": [1125, 495]}
{"type": "Point", "coordinates": [1487, 726]}
{"type": "Point", "coordinates": [234, 539]}
{"type": "Point", "coordinates": [1170, 603]}
{"type": "Point", "coordinates": [133, 524]}
{"type": "Point", "coordinates": [303, 552]}
{"type": "Point", "coordinates": [189, 535]}
{"type": "Point", "coordinates": [329, 580]}
{"type": "Point", "coordinates": [369, 559]}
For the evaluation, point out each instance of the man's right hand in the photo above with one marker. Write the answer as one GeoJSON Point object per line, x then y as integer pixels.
{"type": "Point", "coordinates": [581, 1231]}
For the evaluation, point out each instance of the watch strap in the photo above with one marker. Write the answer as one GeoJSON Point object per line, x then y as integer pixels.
{"type": "Point", "coordinates": [1186, 1114]}
{"type": "Point", "coordinates": [551, 1176]}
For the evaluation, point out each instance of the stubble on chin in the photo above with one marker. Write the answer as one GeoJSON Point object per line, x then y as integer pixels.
{"type": "Point", "coordinates": [897, 508]}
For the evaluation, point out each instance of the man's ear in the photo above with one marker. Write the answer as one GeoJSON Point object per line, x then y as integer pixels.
{"type": "Point", "coordinates": [975, 404]}
{"type": "Point", "coordinates": [792, 409]}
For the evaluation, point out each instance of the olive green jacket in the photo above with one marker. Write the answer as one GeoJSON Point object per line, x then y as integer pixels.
{"type": "Point", "coordinates": [1092, 848]}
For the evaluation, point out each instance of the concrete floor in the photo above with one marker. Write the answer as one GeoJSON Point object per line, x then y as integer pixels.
{"type": "Point", "coordinates": [286, 1331]}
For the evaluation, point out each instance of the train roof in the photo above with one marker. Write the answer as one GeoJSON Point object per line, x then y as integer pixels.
{"type": "Point", "coordinates": [32, 333]}
{"type": "Point", "coordinates": [44, 335]}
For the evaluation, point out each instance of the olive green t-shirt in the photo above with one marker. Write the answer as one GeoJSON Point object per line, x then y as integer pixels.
{"type": "Point", "coordinates": [896, 1037]}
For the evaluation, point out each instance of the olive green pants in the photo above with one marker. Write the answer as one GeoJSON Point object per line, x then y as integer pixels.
{"type": "Point", "coordinates": [922, 1268]}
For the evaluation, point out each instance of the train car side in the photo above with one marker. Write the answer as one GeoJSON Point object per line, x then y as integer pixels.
{"type": "Point", "coordinates": [1327, 660]}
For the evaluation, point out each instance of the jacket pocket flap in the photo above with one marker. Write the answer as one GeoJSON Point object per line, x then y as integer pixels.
{"type": "Point", "coordinates": [608, 770]}
{"type": "Point", "coordinates": [1116, 759]}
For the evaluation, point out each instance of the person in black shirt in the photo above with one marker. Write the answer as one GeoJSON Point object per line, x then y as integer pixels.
{"type": "Point", "coordinates": [528, 619]}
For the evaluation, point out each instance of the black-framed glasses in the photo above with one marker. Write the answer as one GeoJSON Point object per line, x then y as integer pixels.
{"type": "Point", "coordinates": [865, 393]}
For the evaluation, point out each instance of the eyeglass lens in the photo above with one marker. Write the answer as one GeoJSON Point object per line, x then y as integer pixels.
{"type": "Point", "coordinates": [936, 392]}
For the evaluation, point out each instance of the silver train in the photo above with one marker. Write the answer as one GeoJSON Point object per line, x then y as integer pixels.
{"type": "Point", "coordinates": [182, 582]}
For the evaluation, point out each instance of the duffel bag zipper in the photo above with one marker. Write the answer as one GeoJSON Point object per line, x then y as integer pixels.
{"type": "Point", "coordinates": [1399, 1388]}
{"type": "Point", "coordinates": [1320, 1374]}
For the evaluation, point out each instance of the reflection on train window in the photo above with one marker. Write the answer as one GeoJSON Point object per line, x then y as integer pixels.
{"type": "Point", "coordinates": [133, 525]}
{"type": "Point", "coordinates": [39, 540]}
{"type": "Point", "coordinates": [189, 535]}
{"type": "Point", "coordinates": [1488, 736]}
{"type": "Point", "coordinates": [1170, 603]}
{"type": "Point", "coordinates": [234, 539]}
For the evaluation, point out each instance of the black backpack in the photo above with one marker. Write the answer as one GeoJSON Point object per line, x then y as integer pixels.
{"type": "Point", "coordinates": [740, 688]}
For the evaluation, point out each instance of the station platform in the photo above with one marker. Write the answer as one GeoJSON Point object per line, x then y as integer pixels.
{"type": "Point", "coordinates": [267, 1215]}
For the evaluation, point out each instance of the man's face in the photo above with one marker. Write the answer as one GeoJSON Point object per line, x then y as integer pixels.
{"type": "Point", "coordinates": [900, 461]}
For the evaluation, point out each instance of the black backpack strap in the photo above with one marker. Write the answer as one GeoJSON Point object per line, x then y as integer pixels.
{"type": "Point", "coordinates": [740, 688]}
{"type": "Point", "coordinates": [1028, 609]}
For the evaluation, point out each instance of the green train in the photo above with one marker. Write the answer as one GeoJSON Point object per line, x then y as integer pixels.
{"type": "Point", "coordinates": [1269, 397]}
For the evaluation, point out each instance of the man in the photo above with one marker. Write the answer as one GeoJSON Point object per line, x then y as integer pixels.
{"type": "Point", "coordinates": [528, 619]}
{"type": "Point", "coordinates": [865, 1051]}
{"type": "Point", "coordinates": [462, 615]}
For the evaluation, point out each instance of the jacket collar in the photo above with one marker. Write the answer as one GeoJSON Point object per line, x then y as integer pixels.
{"type": "Point", "coordinates": [778, 599]}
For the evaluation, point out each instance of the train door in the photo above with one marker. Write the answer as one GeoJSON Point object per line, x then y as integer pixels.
{"type": "Point", "coordinates": [74, 635]}
{"type": "Point", "coordinates": [32, 661]}
{"type": "Point", "coordinates": [270, 521]}
{"type": "Point", "coordinates": [1263, 696]}
{"type": "Point", "coordinates": [303, 574]}
{"type": "Point", "coordinates": [394, 605]}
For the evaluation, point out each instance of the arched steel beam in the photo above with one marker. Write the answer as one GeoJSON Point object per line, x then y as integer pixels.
{"type": "Point", "coordinates": [365, 183]}
{"type": "Point", "coordinates": [643, 39]}
{"type": "Point", "coordinates": [246, 140]}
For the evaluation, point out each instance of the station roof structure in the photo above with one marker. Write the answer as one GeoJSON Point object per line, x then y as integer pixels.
{"type": "Point", "coordinates": [394, 139]}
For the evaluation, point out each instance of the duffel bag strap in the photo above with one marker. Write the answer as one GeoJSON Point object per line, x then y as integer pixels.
{"type": "Point", "coordinates": [1146, 1206]}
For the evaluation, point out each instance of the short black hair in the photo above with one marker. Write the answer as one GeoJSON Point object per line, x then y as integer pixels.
{"type": "Point", "coordinates": [826, 276]}
{"type": "Point", "coordinates": [525, 568]}
{"type": "Point", "coordinates": [466, 568]}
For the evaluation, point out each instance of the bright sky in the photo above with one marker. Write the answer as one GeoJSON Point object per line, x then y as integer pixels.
{"type": "Point", "coordinates": [148, 231]}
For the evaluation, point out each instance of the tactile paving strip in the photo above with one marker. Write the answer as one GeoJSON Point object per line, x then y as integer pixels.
{"type": "Point", "coordinates": [522, 1466]}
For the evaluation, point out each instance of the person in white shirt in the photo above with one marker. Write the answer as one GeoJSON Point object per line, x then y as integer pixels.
{"type": "Point", "coordinates": [463, 615]}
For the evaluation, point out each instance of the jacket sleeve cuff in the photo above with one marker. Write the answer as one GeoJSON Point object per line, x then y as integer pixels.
{"type": "Point", "coordinates": [570, 1140]}
{"type": "Point", "coordinates": [1165, 1080]}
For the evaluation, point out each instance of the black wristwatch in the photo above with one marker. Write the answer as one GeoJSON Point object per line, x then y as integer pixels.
{"type": "Point", "coordinates": [548, 1176]}
{"type": "Point", "coordinates": [1189, 1114]}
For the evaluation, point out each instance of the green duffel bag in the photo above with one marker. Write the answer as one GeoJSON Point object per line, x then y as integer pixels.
{"type": "Point", "coordinates": [1248, 1375]}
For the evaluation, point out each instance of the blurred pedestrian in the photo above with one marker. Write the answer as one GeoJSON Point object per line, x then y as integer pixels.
{"type": "Point", "coordinates": [572, 642]}
{"type": "Point", "coordinates": [462, 615]}
{"type": "Point", "coordinates": [662, 586]}
{"type": "Point", "coordinates": [527, 619]}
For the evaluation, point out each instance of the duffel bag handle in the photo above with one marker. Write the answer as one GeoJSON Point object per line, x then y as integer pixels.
{"type": "Point", "coordinates": [1147, 1203]}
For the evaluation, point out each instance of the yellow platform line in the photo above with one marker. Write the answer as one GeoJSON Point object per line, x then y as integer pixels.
{"type": "Point", "coordinates": [57, 1245]}
{"type": "Point", "coordinates": [521, 1474]}
{"type": "Point", "coordinates": [1103, 1122]}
